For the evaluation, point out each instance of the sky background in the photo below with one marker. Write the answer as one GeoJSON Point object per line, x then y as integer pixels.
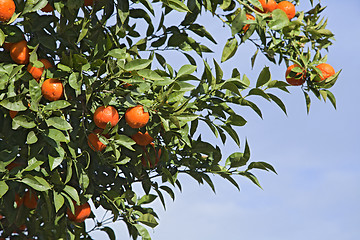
{"type": "Point", "coordinates": [316, 193]}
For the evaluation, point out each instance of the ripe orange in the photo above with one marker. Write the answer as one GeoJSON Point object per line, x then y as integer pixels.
{"type": "Point", "coordinates": [268, 5]}
{"type": "Point", "coordinates": [142, 139]}
{"type": "Point", "coordinates": [135, 117]}
{"type": "Point", "coordinates": [13, 113]}
{"type": "Point", "coordinates": [7, 9]}
{"type": "Point", "coordinates": [30, 199]}
{"type": "Point", "coordinates": [248, 17]}
{"type": "Point", "coordinates": [148, 163]}
{"type": "Point", "coordinates": [299, 78]}
{"type": "Point", "coordinates": [18, 200]}
{"type": "Point", "coordinates": [13, 165]}
{"type": "Point", "coordinates": [52, 89]}
{"type": "Point", "coordinates": [19, 52]}
{"type": "Point", "coordinates": [37, 72]}
{"type": "Point", "coordinates": [103, 115]}
{"type": "Point", "coordinates": [47, 8]}
{"type": "Point", "coordinates": [7, 45]}
{"type": "Point", "coordinates": [288, 8]}
{"type": "Point", "coordinates": [88, 2]}
{"type": "Point", "coordinates": [81, 212]}
{"type": "Point", "coordinates": [326, 69]}
{"type": "Point", "coordinates": [94, 142]}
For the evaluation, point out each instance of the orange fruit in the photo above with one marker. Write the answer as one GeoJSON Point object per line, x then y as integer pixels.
{"type": "Point", "coordinates": [248, 17]}
{"type": "Point", "coordinates": [288, 8]}
{"type": "Point", "coordinates": [13, 165]}
{"type": "Point", "coordinates": [326, 69]}
{"type": "Point", "coordinates": [103, 115]}
{"type": "Point", "coordinates": [135, 117]}
{"type": "Point", "coordinates": [52, 89]}
{"type": "Point", "coordinates": [299, 78]}
{"type": "Point", "coordinates": [7, 9]}
{"type": "Point", "coordinates": [142, 139]}
{"type": "Point", "coordinates": [81, 212]}
{"type": "Point", "coordinates": [13, 113]}
{"type": "Point", "coordinates": [18, 200]}
{"type": "Point", "coordinates": [19, 52]}
{"type": "Point", "coordinates": [94, 142]}
{"type": "Point", "coordinates": [268, 5]}
{"type": "Point", "coordinates": [148, 163]}
{"type": "Point", "coordinates": [88, 2]}
{"type": "Point", "coordinates": [37, 72]}
{"type": "Point", "coordinates": [7, 45]}
{"type": "Point", "coordinates": [47, 8]}
{"type": "Point", "coordinates": [30, 199]}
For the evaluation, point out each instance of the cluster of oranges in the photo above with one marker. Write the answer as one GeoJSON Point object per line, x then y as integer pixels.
{"type": "Point", "coordinates": [326, 71]}
{"type": "Point", "coordinates": [135, 117]}
{"type": "Point", "coordinates": [271, 5]}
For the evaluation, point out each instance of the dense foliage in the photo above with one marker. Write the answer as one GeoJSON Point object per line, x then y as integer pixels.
{"type": "Point", "coordinates": [110, 53]}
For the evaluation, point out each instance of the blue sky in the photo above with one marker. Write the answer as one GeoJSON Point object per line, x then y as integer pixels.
{"type": "Point", "coordinates": [315, 194]}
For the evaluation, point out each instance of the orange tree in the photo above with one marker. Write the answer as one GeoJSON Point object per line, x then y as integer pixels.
{"type": "Point", "coordinates": [82, 82]}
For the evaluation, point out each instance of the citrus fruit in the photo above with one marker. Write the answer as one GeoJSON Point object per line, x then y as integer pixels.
{"type": "Point", "coordinates": [47, 8]}
{"type": "Point", "coordinates": [37, 72]}
{"type": "Point", "coordinates": [103, 115]}
{"type": "Point", "coordinates": [142, 139]}
{"type": "Point", "coordinates": [248, 17]}
{"type": "Point", "coordinates": [94, 142]}
{"type": "Point", "coordinates": [13, 113]}
{"type": "Point", "coordinates": [7, 9]}
{"type": "Point", "coordinates": [52, 89]}
{"type": "Point", "coordinates": [13, 165]}
{"type": "Point", "coordinates": [18, 200]}
{"type": "Point", "coordinates": [326, 69]}
{"type": "Point", "coordinates": [30, 199]}
{"type": "Point", "coordinates": [81, 212]}
{"type": "Point", "coordinates": [88, 2]}
{"type": "Point", "coordinates": [148, 163]}
{"type": "Point", "coordinates": [135, 117]}
{"type": "Point", "coordinates": [7, 45]}
{"type": "Point", "coordinates": [19, 52]}
{"type": "Point", "coordinates": [288, 8]}
{"type": "Point", "coordinates": [298, 79]}
{"type": "Point", "coordinates": [268, 5]}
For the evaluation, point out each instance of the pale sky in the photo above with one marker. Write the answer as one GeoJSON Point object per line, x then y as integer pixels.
{"type": "Point", "coordinates": [315, 194]}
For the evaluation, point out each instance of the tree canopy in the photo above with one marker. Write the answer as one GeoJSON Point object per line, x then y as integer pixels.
{"type": "Point", "coordinates": [90, 105]}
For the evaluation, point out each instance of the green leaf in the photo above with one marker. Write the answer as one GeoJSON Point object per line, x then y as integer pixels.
{"type": "Point", "coordinates": [238, 22]}
{"type": "Point", "coordinates": [279, 20]}
{"type": "Point", "coordinates": [137, 64]}
{"type": "Point", "coordinates": [31, 138]}
{"type": "Point", "coordinates": [229, 49]}
{"type": "Point", "coordinates": [56, 135]}
{"type": "Point", "coordinates": [24, 121]}
{"type": "Point", "coordinates": [278, 102]}
{"type": "Point", "coordinates": [37, 183]}
{"type": "Point", "coordinates": [58, 201]}
{"type": "Point", "coordinates": [56, 105]}
{"type": "Point", "coordinates": [169, 191]}
{"type": "Point", "coordinates": [14, 103]}
{"type": "Point", "coordinates": [72, 193]}
{"type": "Point", "coordinates": [3, 188]}
{"type": "Point", "coordinates": [56, 157]}
{"type": "Point", "coordinates": [236, 120]}
{"type": "Point", "coordinates": [261, 165]}
{"type": "Point", "coordinates": [58, 123]}
{"type": "Point", "coordinates": [148, 219]}
{"type": "Point", "coordinates": [176, 5]}
{"type": "Point", "coordinates": [149, 74]}
{"type": "Point", "coordinates": [33, 163]}
{"type": "Point", "coordinates": [264, 77]}
{"type": "Point", "coordinates": [124, 141]}
{"type": "Point", "coordinates": [142, 231]}
{"type": "Point", "coordinates": [185, 70]}
{"type": "Point", "coordinates": [147, 199]}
